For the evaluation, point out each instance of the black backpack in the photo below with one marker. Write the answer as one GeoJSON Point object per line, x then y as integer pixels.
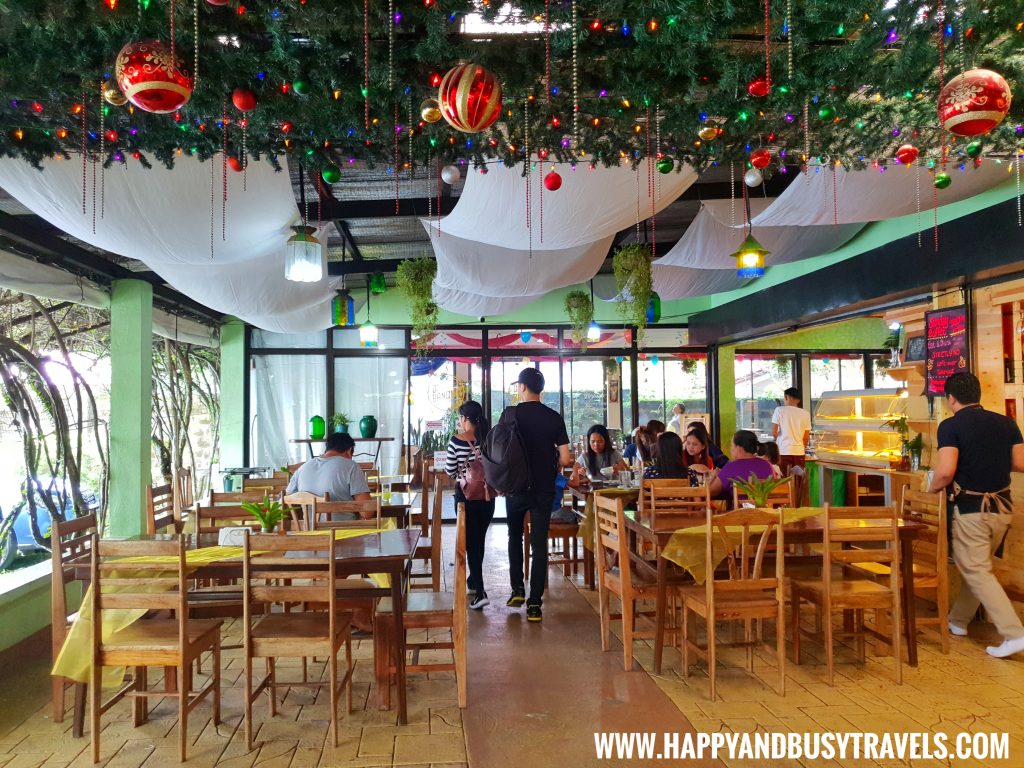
{"type": "Point", "coordinates": [504, 456]}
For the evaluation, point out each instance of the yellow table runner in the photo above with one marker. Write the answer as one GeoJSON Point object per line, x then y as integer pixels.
{"type": "Point", "coordinates": [75, 658]}
{"type": "Point", "coordinates": [687, 546]}
{"type": "Point", "coordinates": [587, 526]}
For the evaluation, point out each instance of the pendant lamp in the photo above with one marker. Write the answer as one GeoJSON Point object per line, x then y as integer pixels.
{"type": "Point", "coordinates": [305, 259]}
{"type": "Point", "coordinates": [368, 335]}
{"type": "Point", "coordinates": [750, 256]}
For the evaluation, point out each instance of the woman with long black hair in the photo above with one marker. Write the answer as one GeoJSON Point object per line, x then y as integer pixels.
{"type": "Point", "coordinates": [599, 454]}
{"type": "Point", "coordinates": [463, 451]}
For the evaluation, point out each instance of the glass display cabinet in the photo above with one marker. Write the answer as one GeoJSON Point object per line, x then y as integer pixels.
{"type": "Point", "coordinates": [854, 426]}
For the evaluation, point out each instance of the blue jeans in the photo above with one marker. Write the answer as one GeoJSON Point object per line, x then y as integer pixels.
{"type": "Point", "coordinates": [538, 505]}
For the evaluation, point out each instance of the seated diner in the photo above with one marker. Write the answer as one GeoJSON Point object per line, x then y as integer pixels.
{"type": "Point", "coordinates": [743, 464]}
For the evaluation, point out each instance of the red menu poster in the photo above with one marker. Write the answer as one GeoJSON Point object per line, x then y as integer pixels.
{"type": "Point", "coordinates": [947, 347]}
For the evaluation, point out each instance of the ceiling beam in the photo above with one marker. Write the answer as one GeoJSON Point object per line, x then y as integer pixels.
{"type": "Point", "coordinates": [42, 240]}
{"type": "Point", "coordinates": [375, 209]}
{"type": "Point", "coordinates": [362, 267]}
{"type": "Point", "coordinates": [346, 234]}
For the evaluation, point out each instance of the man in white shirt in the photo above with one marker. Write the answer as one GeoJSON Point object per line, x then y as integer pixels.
{"type": "Point", "coordinates": [333, 473]}
{"type": "Point", "coordinates": [791, 426]}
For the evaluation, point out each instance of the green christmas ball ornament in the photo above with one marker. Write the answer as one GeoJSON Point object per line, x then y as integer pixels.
{"type": "Point", "coordinates": [942, 180]}
{"type": "Point", "coordinates": [331, 174]}
{"type": "Point", "coordinates": [301, 87]}
{"type": "Point", "coordinates": [974, 149]}
{"type": "Point", "coordinates": [666, 164]}
{"type": "Point", "coordinates": [826, 113]}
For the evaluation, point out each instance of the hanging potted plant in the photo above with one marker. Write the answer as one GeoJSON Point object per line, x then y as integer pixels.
{"type": "Point", "coordinates": [415, 279]}
{"type": "Point", "coordinates": [632, 265]}
{"type": "Point", "coordinates": [580, 310]}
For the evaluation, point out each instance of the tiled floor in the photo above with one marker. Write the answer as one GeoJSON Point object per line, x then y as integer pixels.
{"type": "Point", "coordinates": [532, 685]}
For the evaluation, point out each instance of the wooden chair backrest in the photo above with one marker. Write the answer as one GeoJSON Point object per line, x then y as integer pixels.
{"type": "Point", "coordinates": [267, 484]}
{"type": "Point", "coordinates": [423, 517]}
{"type": "Point", "coordinates": [780, 497]}
{"type": "Point", "coordinates": [72, 545]}
{"type": "Point", "coordinates": [160, 509]}
{"type": "Point", "coordinates": [437, 512]}
{"type": "Point", "coordinates": [874, 532]}
{"type": "Point", "coordinates": [460, 565]}
{"type": "Point", "coordinates": [323, 512]}
{"type": "Point", "coordinates": [368, 467]}
{"type": "Point", "coordinates": [663, 502]}
{"type": "Point", "coordinates": [293, 468]}
{"type": "Point", "coordinates": [140, 575]}
{"type": "Point", "coordinates": [300, 506]}
{"type": "Point", "coordinates": [610, 517]}
{"type": "Point", "coordinates": [931, 546]}
{"type": "Point", "coordinates": [186, 488]}
{"type": "Point", "coordinates": [209, 519]}
{"type": "Point", "coordinates": [755, 533]}
{"type": "Point", "coordinates": [289, 569]}
{"type": "Point", "coordinates": [218, 498]}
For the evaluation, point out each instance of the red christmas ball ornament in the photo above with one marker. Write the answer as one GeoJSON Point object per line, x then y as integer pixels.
{"type": "Point", "coordinates": [552, 182]}
{"type": "Point", "coordinates": [151, 78]}
{"type": "Point", "coordinates": [975, 102]}
{"type": "Point", "coordinates": [234, 164]}
{"type": "Point", "coordinates": [243, 99]}
{"type": "Point", "coordinates": [759, 87]}
{"type": "Point", "coordinates": [760, 158]}
{"type": "Point", "coordinates": [470, 98]}
{"type": "Point", "coordinates": [907, 154]}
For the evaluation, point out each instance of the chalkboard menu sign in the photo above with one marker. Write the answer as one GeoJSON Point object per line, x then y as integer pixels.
{"type": "Point", "coordinates": [947, 347]}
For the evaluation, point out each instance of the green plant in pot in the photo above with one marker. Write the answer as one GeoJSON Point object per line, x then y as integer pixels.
{"type": "Point", "coordinates": [415, 279]}
{"type": "Point", "coordinates": [268, 512]}
{"type": "Point", "coordinates": [902, 428]}
{"type": "Point", "coordinates": [340, 422]}
{"type": "Point", "coordinates": [580, 310]}
{"type": "Point", "coordinates": [758, 490]}
{"type": "Point", "coordinates": [633, 280]}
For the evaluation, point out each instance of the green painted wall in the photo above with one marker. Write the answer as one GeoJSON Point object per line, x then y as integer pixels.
{"type": "Point", "coordinates": [859, 333]}
{"type": "Point", "coordinates": [131, 394]}
{"type": "Point", "coordinates": [232, 394]}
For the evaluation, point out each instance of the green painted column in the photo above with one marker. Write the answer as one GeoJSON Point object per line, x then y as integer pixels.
{"type": "Point", "coordinates": [726, 394]}
{"type": "Point", "coordinates": [232, 394]}
{"type": "Point", "coordinates": [131, 398]}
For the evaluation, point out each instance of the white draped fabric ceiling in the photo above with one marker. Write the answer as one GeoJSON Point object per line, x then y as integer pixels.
{"type": "Point", "coordinates": [490, 262]}
{"type": "Point", "coordinates": [816, 214]}
{"type": "Point", "coordinates": [162, 218]}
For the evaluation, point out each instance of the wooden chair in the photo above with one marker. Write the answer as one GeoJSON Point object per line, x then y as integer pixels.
{"type": "Point", "coordinates": [742, 593]}
{"type": "Point", "coordinates": [875, 533]}
{"type": "Point", "coordinates": [782, 496]}
{"type": "Point", "coordinates": [328, 515]}
{"type": "Point", "coordinates": [72, 545]}
{"type": "Point", "coordinates": [155, 579]}
{"type": "Point", "coordinates": [429, 610]}
{"type": "Point", "coordinates": [291, 570]}
{"type": "Point", "coordinates": [211, 519]}
{"type": "Point", "coordinates": [269, 485]}
{"type": "Point", "coordinates": [931, 552]}
{"type": "Point", "coordinates": [185, 488]}
{"type": "Point", "coordinates": [160, 513]}
{"type": "Point", "coordinates": [628, 586]}
{"type": "Point", "coordinates": [221, 498]}
{"type": "Point", "coordinates": [671, 503]}
{"type": "Point", "coordinates": [567, 554]}
{"type": "Point", "coordinates": [422, 517]}
{"type": "Point", "coordinates": [428, 550]}
{"type": "Point", "coordinates": [300, 506]}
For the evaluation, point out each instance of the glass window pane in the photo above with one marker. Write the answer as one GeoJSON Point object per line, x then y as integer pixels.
{"type": "Point", "coordinates": [268, 340]}
{"type": "Point", "coordinates": [584, 384]}
{"type": "Point", "coordinates": [660, 338]}
{"type": "Point", "coordinates": [455, 339]}
{"type": "Point", "coordinates": [851, 370]}
{"type": "Point", "coordinates": [760, 381]}
{"type": "Point", "coordinates": [287, 391]}
{"type": "Point", "coordinates": [374, 386]}
{"type": "Point", "coordinates": [388, 338]}
{"type": "Point", "coordinates": [880, 373]}
{"type": "Point", "coordinates": [608, 339]}
{"type": "Point", "coordinates": [651, 390]}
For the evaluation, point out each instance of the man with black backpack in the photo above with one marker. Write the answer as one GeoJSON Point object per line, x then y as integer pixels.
{"type": "Point", "coordinates": [521, 457]}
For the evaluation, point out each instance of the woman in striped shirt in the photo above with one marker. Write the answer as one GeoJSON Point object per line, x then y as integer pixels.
{"type": "Point", "coordinates": [463, 449]}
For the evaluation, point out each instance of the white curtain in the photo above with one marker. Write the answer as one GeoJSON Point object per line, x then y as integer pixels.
{"type": "Point", "coordinates": [374, 386]}
{"type": "Point", "coordinates": [288, 391]}
{"type": "Point", "coordinates": [162, 217]}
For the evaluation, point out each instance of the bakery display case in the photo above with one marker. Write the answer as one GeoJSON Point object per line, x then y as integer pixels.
{"type": "Point", "coordinates": [854, 426]}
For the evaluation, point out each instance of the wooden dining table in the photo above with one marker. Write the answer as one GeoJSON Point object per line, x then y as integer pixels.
{"type": "Point", "coordinates": [807, 531]}
{"type": "Point", "coordinates": [381, 552]}
{"type": "Point", "coordinates": [397, 505]}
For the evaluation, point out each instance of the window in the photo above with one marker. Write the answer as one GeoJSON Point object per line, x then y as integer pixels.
{"type": "Point", "coordinates": [286, 392]}
{"type": "Point", "coordinates": [760, 381]}
{"type": "Point", "coordinates": [667, 379]}
{"type": "Point", "coordinates": [834, 372]}
{"type": "Point", "coordinates": [374, 386]}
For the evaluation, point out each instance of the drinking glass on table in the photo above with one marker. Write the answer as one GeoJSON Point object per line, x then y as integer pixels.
{"type": "Point", "coordinates": [385, 490]}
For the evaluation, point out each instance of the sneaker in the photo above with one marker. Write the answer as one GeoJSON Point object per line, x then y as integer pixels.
{"type": "Point", "coordinates": [533, 612]}
{"type": "Point", "coordinates": [517, 599]}
{"type": "Point", "coordinates": [956, 629]}
{"type": "Point", "coordinates": [479, 601]}
{"type": "Point", "coordinates": [1008, 648]}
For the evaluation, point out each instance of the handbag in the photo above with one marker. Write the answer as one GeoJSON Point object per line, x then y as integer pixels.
{"type": "Point", "coordinates": [473, 480]}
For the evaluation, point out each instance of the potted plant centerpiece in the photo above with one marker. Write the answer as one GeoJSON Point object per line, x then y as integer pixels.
{"type": "Point", "coordinates": [757, 490]}
{"type": "Point", "coordinates": [269, 513]}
